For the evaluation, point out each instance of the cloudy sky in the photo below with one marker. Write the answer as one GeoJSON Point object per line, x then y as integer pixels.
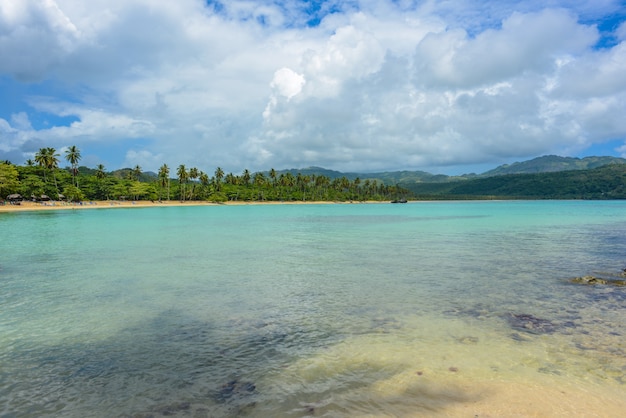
{"type": "Point", "coordinates": [450, 86]}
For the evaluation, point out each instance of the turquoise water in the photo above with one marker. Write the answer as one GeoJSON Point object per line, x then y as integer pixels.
{"type": "Point", "coordinates": [302, 310]}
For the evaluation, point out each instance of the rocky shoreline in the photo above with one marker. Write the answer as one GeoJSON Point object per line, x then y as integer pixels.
{"type": "Point", "coordinates": [618, 280]}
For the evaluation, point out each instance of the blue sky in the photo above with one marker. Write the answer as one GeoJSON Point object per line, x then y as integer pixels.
{"type": "Point", "coordinates": [443, 86]}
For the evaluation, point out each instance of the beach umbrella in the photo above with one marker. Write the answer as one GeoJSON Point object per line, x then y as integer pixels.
{"type": "Point", "coordinates": [61, 197]}
{"type": "Point", "coordinates": [14, 196]}
{"type": "Point", "coordinates": [44, 197]}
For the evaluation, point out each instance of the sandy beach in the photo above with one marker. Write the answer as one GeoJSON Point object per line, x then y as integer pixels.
{"type": "Point", "coordinates": [108, 204]}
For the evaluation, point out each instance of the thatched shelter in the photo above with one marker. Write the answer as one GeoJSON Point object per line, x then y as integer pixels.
{"type": "Point", "coordinates": [44, 198]}
{"type": "Point", "coordinates": [15, 197]}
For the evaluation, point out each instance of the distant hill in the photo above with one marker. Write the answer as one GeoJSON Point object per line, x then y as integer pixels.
{"type": "Point", "coordinates": [386, 177]}
{"type": "Point", "coordinates": [545, 164]}
{"type": "Point", "coordinates": [606, 182]}
{"type": "Point", "coordinates": [123, 173]}
{"type": "Point", "coordinates": [553, 163]}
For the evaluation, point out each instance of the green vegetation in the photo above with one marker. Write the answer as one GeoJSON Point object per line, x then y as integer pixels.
{"type": "Point", "coordinates": [43, 180]}
{"type": "Point", "coordinates": [605, 178]}
{"type": "Point", "coordinates": [552, 163]}
{"type": "Point", "coordinates": [606, 182]}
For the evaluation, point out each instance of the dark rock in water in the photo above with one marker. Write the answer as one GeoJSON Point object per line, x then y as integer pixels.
{"type": "Point", "coordinates": [592, 280]}
{"type": "Point", "coordinates": [233, 389]}
{"type": "Point", "coordinates": [468, 340]}
{"type": "Point", "coordinates": [531, 324]}
{"type": "Point", "coordinates": [549, 370]}
{"type": "Point", "coordinates": [384, 325]}
{"type": "Point", "coordinates": [519, 337]}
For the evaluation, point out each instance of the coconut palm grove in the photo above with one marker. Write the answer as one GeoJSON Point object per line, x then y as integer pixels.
{"type": "Point", "coordinates": [43, 179]}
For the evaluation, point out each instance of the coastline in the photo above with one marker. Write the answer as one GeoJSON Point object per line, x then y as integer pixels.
{"type": "Point", "coordinates": [27, 206]}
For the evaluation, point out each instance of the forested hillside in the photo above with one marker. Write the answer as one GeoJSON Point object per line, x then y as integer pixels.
{"type": "Point", "coordinates": [606, 182]}
{"type": "Point", "coordinates": [553, 163]}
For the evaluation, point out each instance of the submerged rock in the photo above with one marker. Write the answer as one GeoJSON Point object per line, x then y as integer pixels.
{"type": "Point", "coordinates": [519, 337]}
{"type": "Point", "coordinates": [530, 323]}
{"type": "Point", "coordinates": [468, 339]}
{"type": "Point", "coordinates": [593, 280]}
{"type": "Point", "coordinates": [234, 389]}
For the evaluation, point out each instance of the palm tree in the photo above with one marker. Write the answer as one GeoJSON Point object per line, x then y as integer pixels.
{"type": "Point", "coordinates": [72, 155]}
{"type": "Point", "coordinates": [231, 179]}
{"type": "Point", "coordinates": [357, 187]}
{"type": "Point", "coordinates": [204, 180]}
{"type": "Point", "coordinates": [193, 174]}
{"type": "Point", "coordinates": [323, 182]}
{"type": "Point", "coordinates": [301, 182]}
{"type": "Point", "coordinates": [273, 176]}
{"type": "Point", "coordinates": [100, 174]}
{"type": "Point", "coordinates": [259, 179]}
{"type": "Point", "coordinates": [40, 159]}
{"type": "Point", "coordinates": [181, 172]}
{"type": "Point", "coordinates": [246, 177]}
{"type": "Point", "coordinates": [164, 178]}
{"type": "Point", "coordinates": [219, 175]}
{"type": "Point", "coordinates": [136, 173]}
{"type": "Point", "coordinates": [47, 158]}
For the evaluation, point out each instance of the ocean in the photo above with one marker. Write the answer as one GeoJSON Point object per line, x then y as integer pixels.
{"type": "Point", "coordinates": [338, 310]}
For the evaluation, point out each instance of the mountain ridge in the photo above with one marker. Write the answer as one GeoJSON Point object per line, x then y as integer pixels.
{"type": "Point", "coordinates": [553, 163]}
{"type": "Point", "coordinates": [542, 164]}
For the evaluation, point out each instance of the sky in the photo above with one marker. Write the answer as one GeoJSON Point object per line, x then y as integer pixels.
{"type": "Point", "coordinates": [451, 86]}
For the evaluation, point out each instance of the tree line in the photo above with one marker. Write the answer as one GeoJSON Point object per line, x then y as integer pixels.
{"type": "Point", "coordinates": [41, 179]}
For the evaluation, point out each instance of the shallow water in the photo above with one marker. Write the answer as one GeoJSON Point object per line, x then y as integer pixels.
{"type": "Point", "coordinates": [422, 309]}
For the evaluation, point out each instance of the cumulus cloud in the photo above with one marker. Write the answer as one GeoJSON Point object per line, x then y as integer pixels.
{"type": "Point", "coordinates": [349, 54]}
{"type": "Point", "coordinates": [34, 37]}
{"type": "Point", "coordinates": [346, 85]}
{"type": "Point", "coordinates": [524, 43]}
{"type": "Point", "coordinates": [287, 82]}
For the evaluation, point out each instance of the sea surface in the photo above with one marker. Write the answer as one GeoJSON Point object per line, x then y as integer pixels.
{"type": "Point", "coordinates": [336, 310]}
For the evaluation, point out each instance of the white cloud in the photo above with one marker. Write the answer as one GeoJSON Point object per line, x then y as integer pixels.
{"type": "Point", "coordinates": [376, 85]}
{"type": "Point", "coordinates": [35, 35]}
{"type": "Point", "coordinates": [287, 82]}
{"type": "Point", "coordinates": [20, 121]}
{"type": "Point", "coordinates": [349, 54]}
{"type": "Point", "coordinates": [593, 74]}
{"type": "Point", "coordinates": [525, 43]}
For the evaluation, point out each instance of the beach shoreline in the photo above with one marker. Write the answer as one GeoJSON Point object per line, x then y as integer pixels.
{"type": "Point", "coordinates": [27, 206]}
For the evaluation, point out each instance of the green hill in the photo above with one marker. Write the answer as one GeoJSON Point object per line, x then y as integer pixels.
{"type": "Point", "coordinates": [553, 163]}
{"type": "Point", "coordinates": [606, 182]}
{"type": "Point", "coordinates": [544, 164]}
{"type": "Point", "coordinates": [387, 177]}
